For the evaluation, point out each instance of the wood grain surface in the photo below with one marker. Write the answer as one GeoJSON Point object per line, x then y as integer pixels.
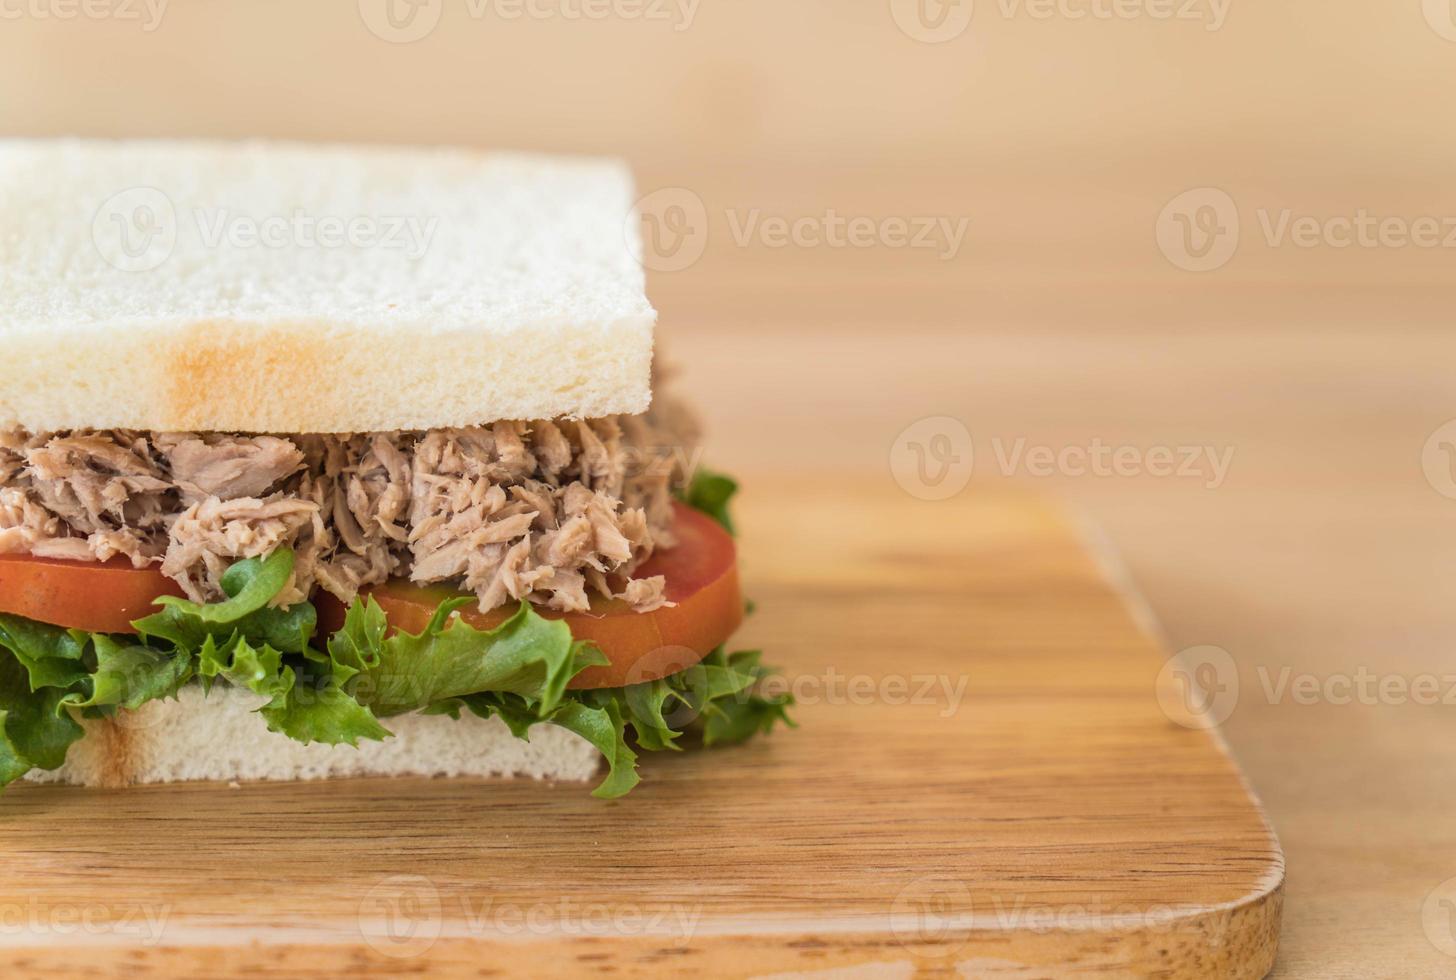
{"type": "Point", "coordinates": [984, 780]}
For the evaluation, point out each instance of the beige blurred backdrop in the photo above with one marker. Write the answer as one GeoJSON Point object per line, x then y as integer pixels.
{"type": "Point", "coordinates": [1055, 136]}
{"type": "Point", "coordinates": [1319, 85]}
{"type": "Point", "coordinates": [1059, 127]}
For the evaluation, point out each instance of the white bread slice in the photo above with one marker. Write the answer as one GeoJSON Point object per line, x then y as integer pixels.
{"type": "Point", "coordinates": [219, 737]}
{"type": "Point", "coordinates": [516, 293]}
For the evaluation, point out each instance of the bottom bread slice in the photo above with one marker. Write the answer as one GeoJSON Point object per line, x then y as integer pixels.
{"type": "Point", "coordinates": [219, 736]}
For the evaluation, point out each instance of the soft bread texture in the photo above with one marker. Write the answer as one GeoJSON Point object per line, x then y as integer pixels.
{"type": "Point", "coordinates": [219, 737]}
{"type": "Point", "coordinates": [191, 286]}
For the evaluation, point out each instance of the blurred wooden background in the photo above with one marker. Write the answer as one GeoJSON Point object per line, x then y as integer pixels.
{"type": "Point", "coordinates": [1058, 320]}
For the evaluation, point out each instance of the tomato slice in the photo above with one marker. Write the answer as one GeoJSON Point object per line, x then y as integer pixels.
{"type": "Point", "coordinates": [96, 596]}
{"type": "Point", "coordinates": [701, 573]}
{"type": "Point", "coordinates": [702, 579]}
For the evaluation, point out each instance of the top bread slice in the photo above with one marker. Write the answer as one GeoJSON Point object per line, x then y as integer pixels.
{"type": "Point", "coordinates": [264, 287]}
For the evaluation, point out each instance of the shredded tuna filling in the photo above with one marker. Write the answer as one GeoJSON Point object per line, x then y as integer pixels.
{"type": "Point", "coordinates": [550, 512]}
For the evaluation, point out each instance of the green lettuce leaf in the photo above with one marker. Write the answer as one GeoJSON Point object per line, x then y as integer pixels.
{"type": "Point", "coordinates": [128, 675]}
{"type": "Point", "coordinates": [250, 584]}
{"type": "Point", "coordinates": [603, 727]}
{"type": "Point", "coordinates": [727, 721]}
{"type": "Point", "coordinates": [52, 656]}
{"type": "Point", "coordinates": [527, 655]}
{"type": "Point", "coordinates": [710, 493]}
{"type": "Point", "coordinates": [13, 763]}
{"type": "Point", "coordinates": [34, 730]}
{"type": "Point", "coordinates": [319, 711]}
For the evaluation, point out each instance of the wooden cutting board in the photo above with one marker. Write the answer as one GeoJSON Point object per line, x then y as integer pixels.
{"type": "Point", "coordinates": [984, 783]}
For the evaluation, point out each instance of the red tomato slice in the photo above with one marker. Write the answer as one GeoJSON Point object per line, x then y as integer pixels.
{"type": "Point", "coordinates": [701, 572]}
{"type": "Point", "coordinates": [96, 596]}
{"type": "Point", "coordinates": [702, 579]}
